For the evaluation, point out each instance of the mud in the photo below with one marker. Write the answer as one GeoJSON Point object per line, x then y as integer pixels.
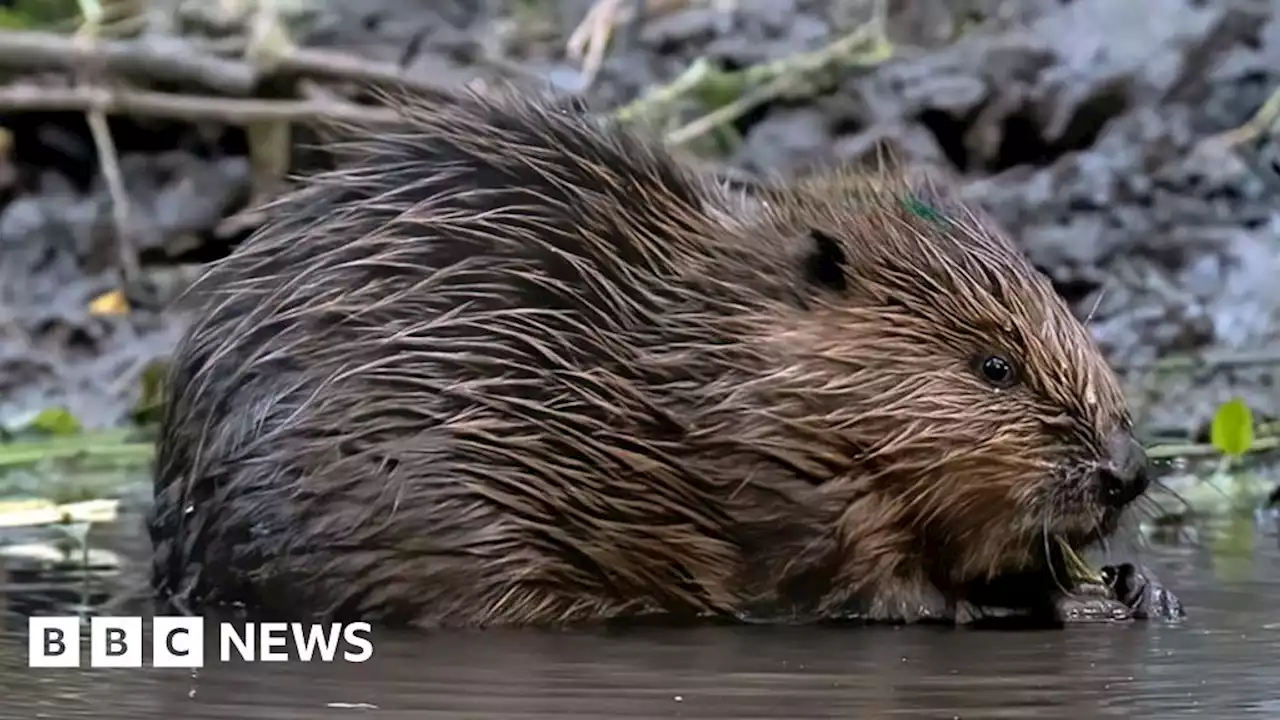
{"type": "Point", "coordinates": [1080, 124]}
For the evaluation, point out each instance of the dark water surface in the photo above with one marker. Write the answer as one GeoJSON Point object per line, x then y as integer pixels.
{"type": "Point", "coordinates": [1223, 661]}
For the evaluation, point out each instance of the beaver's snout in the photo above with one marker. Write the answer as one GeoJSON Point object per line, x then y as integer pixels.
{"type": "Point", "coordinates": [1125, 472]}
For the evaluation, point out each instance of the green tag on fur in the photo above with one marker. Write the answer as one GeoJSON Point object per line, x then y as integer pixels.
{"type": "Point", "coordinates": [920, 209]}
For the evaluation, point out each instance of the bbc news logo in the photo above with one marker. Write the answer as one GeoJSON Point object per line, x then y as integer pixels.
{"type": "Point", "coordinates": [179, 642]}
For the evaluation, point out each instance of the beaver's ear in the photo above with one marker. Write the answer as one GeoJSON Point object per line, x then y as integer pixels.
{"type": "Point", "coordinates": [825, 261]}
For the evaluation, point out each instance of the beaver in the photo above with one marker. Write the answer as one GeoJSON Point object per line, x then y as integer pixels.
{"type": "Point", "coordinates": [510, 363]}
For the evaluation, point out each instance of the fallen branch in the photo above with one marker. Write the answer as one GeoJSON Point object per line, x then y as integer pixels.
{"type": "Point", "coordinates": [340, 66]}
{"type": "Point", "coordinates": [179, 61]}
{"type": "Point", "coordinates": [194, 108]}
{"type": "Point", "coordinates": [164, 59]}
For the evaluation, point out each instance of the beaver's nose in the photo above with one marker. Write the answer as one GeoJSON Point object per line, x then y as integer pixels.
{"type": "Point", "coordinates": [1125, 472]}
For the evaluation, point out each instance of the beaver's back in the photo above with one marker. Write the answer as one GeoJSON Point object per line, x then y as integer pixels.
{"type": "Point", "coordinates": [429, 371]}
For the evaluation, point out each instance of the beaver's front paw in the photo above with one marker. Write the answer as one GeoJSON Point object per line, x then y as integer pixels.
{"type": "Point", "coordinates": [1092, 603]}
{"type": "Point", "coordinates": [1140, 591]}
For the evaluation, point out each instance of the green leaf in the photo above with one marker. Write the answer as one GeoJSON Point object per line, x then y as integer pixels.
{"type": "Point", "coordinates": [719, 89]}
{"type": "Point", "coordinates": [1232, 429]}
{"type": "Point", "coordinates": [56, 421]}
{"type": "Point", "coordinates": [37, 14]}
{"type": "Point", "coordinates": [10, 20]}
{"type": "Point", "coordinates": [150, 405]}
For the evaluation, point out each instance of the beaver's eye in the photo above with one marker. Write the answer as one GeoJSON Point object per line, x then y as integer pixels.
{"type": "Point", "coordinates": [997, 370]}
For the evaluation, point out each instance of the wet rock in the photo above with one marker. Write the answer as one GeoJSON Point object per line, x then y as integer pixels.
{"type": "Point", "coordinates": [58, 252]}
{"type": "Point", "coordinates": [174, 195]}
{"type": "Point", "coordinates": [787, 142]}
{"type": "Point", "coordinates": [1036, 92]}
{"type": "Point", "coordinates": [955, 81]}
{"type": "Point", "coordinates": [683, 27]}
{"type": "Point", "coordinates": [910, 142]}
{"type": "Point", "coordinates": [770, 16]}
{"type": "Point", "coordinates": [1121, 54]}
{"type": "Point", "coordinates": [1079, 126]}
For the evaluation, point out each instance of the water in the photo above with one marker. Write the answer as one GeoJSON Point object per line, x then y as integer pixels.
{"type": "Point", "coordinates": [1219, 663]}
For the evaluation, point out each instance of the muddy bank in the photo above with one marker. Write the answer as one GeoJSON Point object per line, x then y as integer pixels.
{"type": "Point", "coordinates": [1080, 125]}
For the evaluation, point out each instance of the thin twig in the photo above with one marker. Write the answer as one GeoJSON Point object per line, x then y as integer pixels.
{"type": "Point", "coordinates": [867, 45]}
{"type": "Point", "coordinates": [726, 114]}
{"type": "Point", "coordinates": [588, 42]}
{"type": "Point", "coordinates": [119, 17]}
{"type": "Point", "coordinates": [1202, 450]}
{"type": "Point", "coordinates": [1208, 360]}
{"type": "Point", "coordinates": [693, 77]}
{"type": "Point", "coordinates": [1261, 122]}
{"type": "Point", "coordinates": [783, 75]}
{"type": "Point", "coordinates": [126, 254]}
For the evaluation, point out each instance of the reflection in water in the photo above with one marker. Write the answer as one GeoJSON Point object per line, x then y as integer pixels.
{"type": "Point", "coordinates": [1219, 663]}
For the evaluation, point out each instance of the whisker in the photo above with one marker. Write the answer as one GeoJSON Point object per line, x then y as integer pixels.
{"type": "Point", "coordinates": [1048, 555]}
{"type": "Point", "coordinates": [1149, 509]}
{"type": "Point", "coordinates": [1186, 504]}
{"type": "Point", "coordinates": [1143, 510]}
{"type": "Point", "coordinates": [1097, 302]}
{"type": "Point", "coordinates": [1105, 542]}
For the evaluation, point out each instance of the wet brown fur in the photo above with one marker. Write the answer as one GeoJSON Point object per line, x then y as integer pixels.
{"type": "Point", "coordinates": [511, 364]}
